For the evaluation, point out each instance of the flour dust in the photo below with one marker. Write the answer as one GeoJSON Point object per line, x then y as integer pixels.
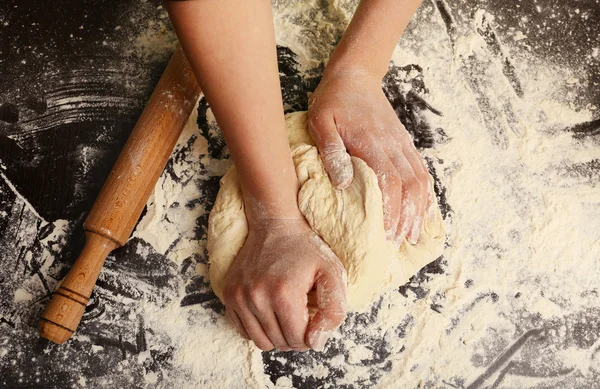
{"type": "Point", "coordinates": [513, 300]}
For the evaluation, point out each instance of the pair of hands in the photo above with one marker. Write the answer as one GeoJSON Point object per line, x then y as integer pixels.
{"type": "Point", "coordinates": [283, 262]}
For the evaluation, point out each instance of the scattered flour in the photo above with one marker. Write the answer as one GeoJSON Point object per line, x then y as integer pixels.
{"type": "Point", "coordinates": [517, 299]}
{"type": "Point", "coordinates": [22, 295]}
{"type": "Point", "coordinates": [520, 256]}
{"type": "Point", "coordinates": [519, 253]}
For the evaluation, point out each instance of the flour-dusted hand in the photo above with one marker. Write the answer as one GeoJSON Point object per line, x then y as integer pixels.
{"type": "Point", "coordinates": [267, 286]}
{"type": "Point", "coordinates": [349, 112]}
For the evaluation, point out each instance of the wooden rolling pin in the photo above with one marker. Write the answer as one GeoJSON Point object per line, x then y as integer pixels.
{"type": "Point", "coordinates": [124, 194]}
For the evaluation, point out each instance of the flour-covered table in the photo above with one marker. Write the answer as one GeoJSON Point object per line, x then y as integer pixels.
{"type": "Point", "coordinates": [502, 101]}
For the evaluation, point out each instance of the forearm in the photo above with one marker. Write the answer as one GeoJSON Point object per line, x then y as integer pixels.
{"type": "Point", "coordinates": [369, 40]}
{"type": "Point", "coordinates": [231, 47]}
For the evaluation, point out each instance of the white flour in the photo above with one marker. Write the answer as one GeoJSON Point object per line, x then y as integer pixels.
{"type": "Point", "coordinates": [521, 267]}
{"type": "Point", "coordinates": [523, 241]}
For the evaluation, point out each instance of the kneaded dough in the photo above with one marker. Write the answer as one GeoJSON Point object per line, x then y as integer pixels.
{"type": "Point", "coordinates": [350, 221]}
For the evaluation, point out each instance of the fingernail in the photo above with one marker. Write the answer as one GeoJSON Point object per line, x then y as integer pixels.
{"type": "Point", "coordinates": [343, 171]}
{"type": "Point", "coordinates": [414, 238]}
{"type": "Point", "coordinates": [404, 234]}
{"type": "Point", "coordinates": [431, 212]}
{"type": "Point", "coordinates": [319, 339]}
{"type": "Point", "coordinates": [390, 234]}
{"type": "Point", "coordinates": [414, 233]}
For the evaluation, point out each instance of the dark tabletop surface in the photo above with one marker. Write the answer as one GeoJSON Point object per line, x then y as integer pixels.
{"type": "Point", "coordinates": [74, 77]}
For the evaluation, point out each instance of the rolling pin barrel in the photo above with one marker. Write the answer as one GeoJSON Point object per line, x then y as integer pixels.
{"type": "Point", "coordinates": [124, 194]}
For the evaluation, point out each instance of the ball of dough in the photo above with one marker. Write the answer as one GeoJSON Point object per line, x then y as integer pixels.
{"type": "Point", "coordinates": [350, 221]}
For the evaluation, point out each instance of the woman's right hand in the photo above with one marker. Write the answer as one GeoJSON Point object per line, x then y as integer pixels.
{"type": "Point", "coordinates": [350, 115]}
{"type": "Point", "coordinates": [266, 288]}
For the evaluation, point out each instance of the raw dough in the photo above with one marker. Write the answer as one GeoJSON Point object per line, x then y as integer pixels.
{"type": "Point", "coordinates": [349, 221]}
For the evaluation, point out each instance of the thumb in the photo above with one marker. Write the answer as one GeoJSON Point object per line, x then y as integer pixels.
{"type": "Point", "coordinates": [336, 160]}
{"type": "Point", "coordinates": [331, 305]}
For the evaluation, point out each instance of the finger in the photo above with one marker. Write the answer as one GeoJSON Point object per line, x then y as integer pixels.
{"type": "Point", "coordinates": [422, 183]}
{"type": "Point", "coordinates": [237, 324]}
{"type": "Point", "coordinates": [331, 302]}
{"type": "Point", "coordinates": [430, 194]}
{"type": "Point", "coordinates": [292, 315]}
{"type": "Point", "coordinates": [410, 195]}
{"type": "Point", "coordinates": [414, 176]}
{"type": "Point", "coordinates": [336, 160]}
{"type": "Point", "coordinates": [429, 210]}
{"type": "Point", "coordinates": [430, 189]}
{"type": "Point", "coordinates": [388, 179]}
{"type": "Point", "coordinates": [270, 324]}
{"type": "Point", "coordinates": [254, 329]}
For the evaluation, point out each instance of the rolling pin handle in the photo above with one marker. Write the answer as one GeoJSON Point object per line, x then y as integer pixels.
{"type": "Point", "coordinates": [64, 312]}
{"type": "Point", "coordinates": [120, 202]}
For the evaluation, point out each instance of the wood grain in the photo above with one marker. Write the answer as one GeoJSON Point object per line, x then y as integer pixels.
{"type": "Point", "coordinates": [124, 194]}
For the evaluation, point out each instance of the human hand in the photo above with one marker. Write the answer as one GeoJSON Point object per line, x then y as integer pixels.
{"type": "Point", "coordinates": [349, 112]}
{"type": "Point", "coordinates": [266, 288]}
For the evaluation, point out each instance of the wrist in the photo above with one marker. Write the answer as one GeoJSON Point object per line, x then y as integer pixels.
{"type": "Point", "coordinates": [263, 212]}
{"type": "Point", "coordinates": [270, 225]}
{"type": "Point", "coordinates": [352, 71]}
{"type": "Point", "coordinates": [344, 61]}
{"type": "Point", "coordinates": [263, 209]}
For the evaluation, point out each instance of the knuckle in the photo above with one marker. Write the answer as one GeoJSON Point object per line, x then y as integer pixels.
{"type": "Point", "coordinates": [282, 300]}
{"type": "Point", "coordinates": [333, 151]}
{"type": "Point", "coordinates": [227, 294]}
{"type": "Point", "coordinates": [422, 190]}
{"type": "Point", "coordinates": [423, 180]}
{"type": "Point", "coordinates": [256, 293]}
{"type": "Point", "coordinates": [233, 294]}
{"type": "Point", "coordinates": [413, 184]}
{"type": "Point", "coordinates": [280, 286]}
{"type": "Point", "coordinates": [397, 179]}
{"type": "Point", "coordinates": [392, 182]}
{"type": "Point", "coordinates": [318, 119]}
{"type": "Point", "coordinates": [420, 173]}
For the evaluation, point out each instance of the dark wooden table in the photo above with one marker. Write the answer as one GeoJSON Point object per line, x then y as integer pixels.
{"type": "Point", "coordinates": [74, 77]}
